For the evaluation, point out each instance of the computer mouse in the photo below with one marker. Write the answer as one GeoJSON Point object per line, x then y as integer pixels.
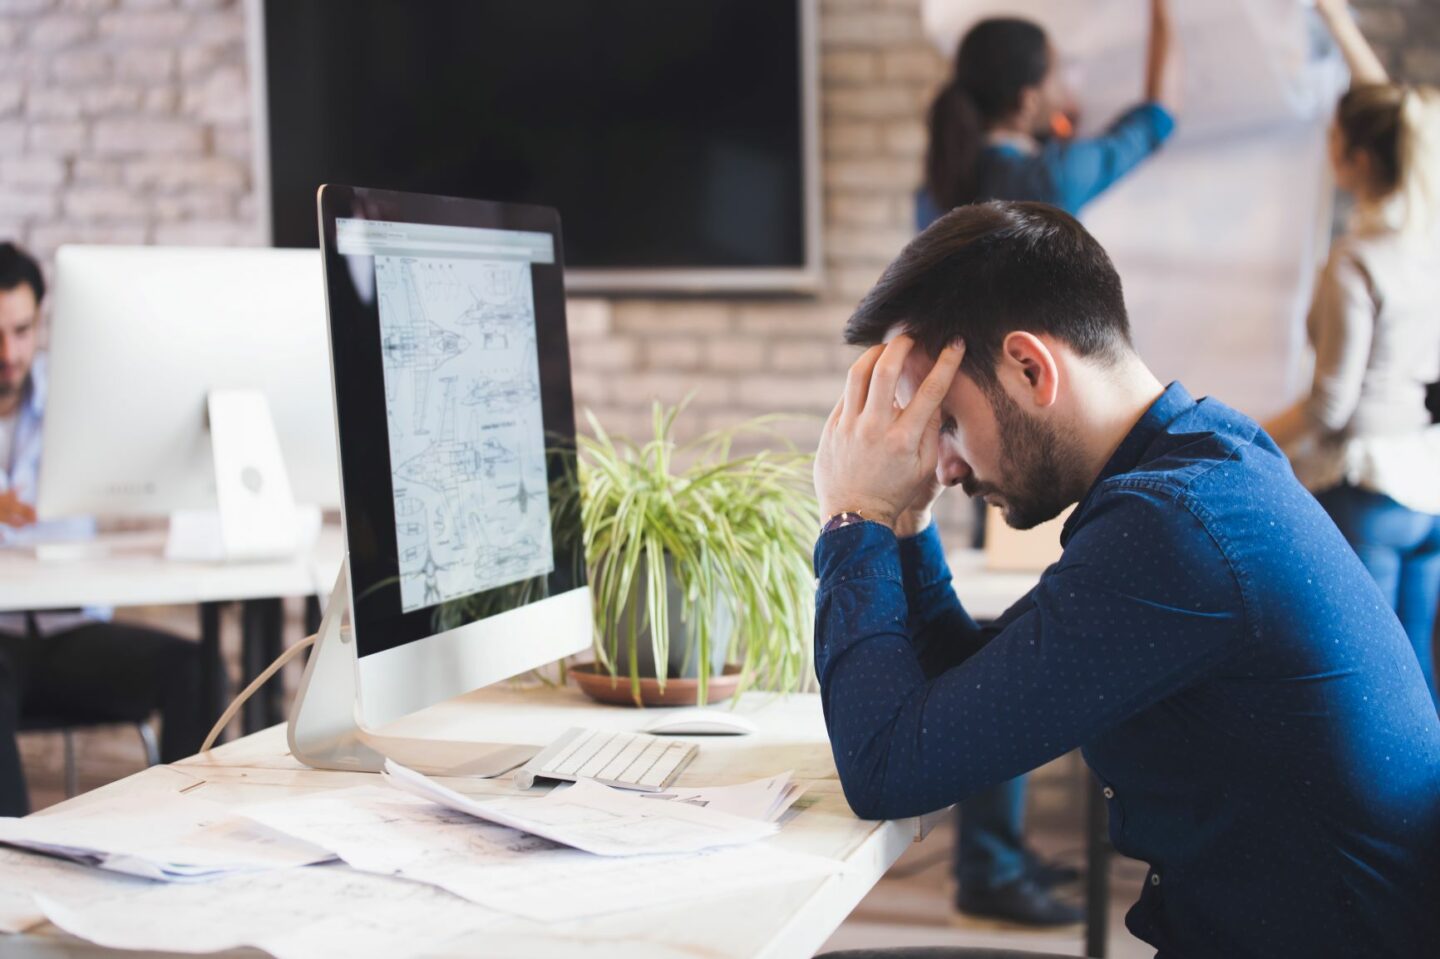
{"type": "Point", "coordinates": [699, 722]}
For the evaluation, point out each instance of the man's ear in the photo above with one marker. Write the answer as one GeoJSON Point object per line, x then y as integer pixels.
{"type": "Point", "coordinates": [1031, 368]}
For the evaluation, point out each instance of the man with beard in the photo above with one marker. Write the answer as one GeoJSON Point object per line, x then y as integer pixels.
{"type": "Point", "coordinates": [68, 664]}
{"type": "Point", "coordinates": [1208, 638]}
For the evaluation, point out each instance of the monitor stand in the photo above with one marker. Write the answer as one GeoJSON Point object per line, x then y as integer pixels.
{"type": "Point", "coordinates": [256, 517]}
{"type": "Point", "coordinates": [325, 729]}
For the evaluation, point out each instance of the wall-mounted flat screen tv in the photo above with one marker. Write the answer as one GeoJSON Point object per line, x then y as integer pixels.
{"type": "Point", "coordinates": [677, 138]}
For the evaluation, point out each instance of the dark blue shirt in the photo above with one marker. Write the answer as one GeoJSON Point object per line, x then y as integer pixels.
{"type": "Point", "coordinates": [1234, 677]}
{"type": "Point", "coordinates": [1065, 173]}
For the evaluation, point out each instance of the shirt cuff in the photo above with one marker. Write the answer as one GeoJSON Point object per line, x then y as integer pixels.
{"type": "Point", "coordinates": [858, 551]}
{"type": "Point", "coordinates": [1160, 120]}
{"type": "Point", "coordinates": [922, 557]}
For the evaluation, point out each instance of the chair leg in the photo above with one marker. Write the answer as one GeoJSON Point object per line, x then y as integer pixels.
{"type": "Point", "coordinates": [147, 739]}
{"type": "Point", "coordinates": [72, 774]}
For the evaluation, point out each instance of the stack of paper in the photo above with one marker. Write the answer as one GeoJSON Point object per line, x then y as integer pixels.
{"type": "Point", "coordinates": [388, 832]}
{"type": "Point", "coordinates": [597, 818]}
{"type": "Point", "coordinates": [291, 913]}
{"type": "Point", "coordinates": [764, 799]}
{"type": "Point", "coordinates": [169, 837]}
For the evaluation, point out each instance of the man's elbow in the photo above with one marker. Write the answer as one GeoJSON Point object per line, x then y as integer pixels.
{"type": "Point", "coordinates": [863, 783]}
{"type": "Point", "coordinates": [872, 794]}
{"type": "Point", "coordinates": [867, 802]}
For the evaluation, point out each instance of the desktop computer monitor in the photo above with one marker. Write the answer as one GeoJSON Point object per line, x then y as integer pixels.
{"type": "Point", "coordinates": [141, 337]}
{"type": "Point", "coordinates": [456, 425]}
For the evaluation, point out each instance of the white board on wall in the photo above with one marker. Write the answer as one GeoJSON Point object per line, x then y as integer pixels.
{"type": "Point", "coordinates": [1217, 238]}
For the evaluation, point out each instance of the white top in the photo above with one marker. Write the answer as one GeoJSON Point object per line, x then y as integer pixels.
{"type": "Point", "coordinates": [1375, 327]}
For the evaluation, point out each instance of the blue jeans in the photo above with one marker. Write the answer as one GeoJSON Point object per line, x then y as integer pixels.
{"type": "Point", "coordinates": [1401, 549]}
{"type": "Point", "coordinates": [989, 844]}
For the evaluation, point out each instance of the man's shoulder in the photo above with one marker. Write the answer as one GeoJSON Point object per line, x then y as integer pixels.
{"type": "Point", "coordinates": [1209, 444]}
{"type": "Point", "coordinates": [1195, 476]}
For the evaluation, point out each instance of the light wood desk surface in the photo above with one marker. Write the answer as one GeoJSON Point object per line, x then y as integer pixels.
{"type": "Point", "coordinates": [781, 921]}
{"type": "Point", "coordinates": [133, 571]}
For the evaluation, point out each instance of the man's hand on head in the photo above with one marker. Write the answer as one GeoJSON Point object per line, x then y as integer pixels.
{"type": "Point", "coordinates": [15, 512]}
{"type": "Point", "coordinates": [876, 458]}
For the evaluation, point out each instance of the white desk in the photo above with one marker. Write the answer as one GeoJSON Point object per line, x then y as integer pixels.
{"type": "Point", "coordinates": [131, 570]}
{"type": "Point", "coordinates": [135, 573]}
{"type": "Point", "coordinates": [772, 921]}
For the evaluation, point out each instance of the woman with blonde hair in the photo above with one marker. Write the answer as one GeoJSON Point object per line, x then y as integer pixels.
{"type": "Point", "coordinates": [1362, 440]}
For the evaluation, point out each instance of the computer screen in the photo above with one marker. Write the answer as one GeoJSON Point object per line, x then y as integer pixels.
{"type": "Point", "coordinates": [462, 404]}
{"type": "Point", "coordinates": [455, 417]}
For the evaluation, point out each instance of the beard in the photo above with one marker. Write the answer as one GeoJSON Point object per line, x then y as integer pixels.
{"type": "Point", "coordinates": [1038, 467]}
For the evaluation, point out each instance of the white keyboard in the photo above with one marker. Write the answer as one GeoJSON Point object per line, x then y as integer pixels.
{"type": "Point", "coordinates": [623, 760]}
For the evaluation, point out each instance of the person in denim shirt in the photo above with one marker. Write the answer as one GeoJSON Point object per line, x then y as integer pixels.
{"type": "Point", "coordinates": [1208, 639]}
{"type": "Point", "coordinates": [998, 132]}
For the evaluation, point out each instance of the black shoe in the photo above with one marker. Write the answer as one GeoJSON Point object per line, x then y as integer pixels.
{"type": "Point", "coordinates": [1022, 902]}
{"type": "Point", "coordinates": [1050, 875]}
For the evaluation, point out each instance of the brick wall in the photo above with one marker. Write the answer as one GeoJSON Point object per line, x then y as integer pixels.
{"type": "Point", "coordinates": [124, 123]}
{"type": "Point", "coordinates": [129, 121]}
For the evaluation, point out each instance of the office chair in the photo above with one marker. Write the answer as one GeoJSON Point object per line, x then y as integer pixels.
{"type": "Point", "coordinates": [68, 726]}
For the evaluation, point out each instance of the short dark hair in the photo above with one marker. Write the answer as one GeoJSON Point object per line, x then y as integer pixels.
{"type": "Point", "coordinates": [16, 267]}
{"type": "Point", "coordinates": [982, 272]}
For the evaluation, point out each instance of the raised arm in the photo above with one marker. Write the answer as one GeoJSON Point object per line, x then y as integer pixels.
{"type": "Point", "coordinates": [1162, 62]}
{"type": "Point", "coordinates": [1365, 66]}
{"type": "Point", "coordinates": [1083, 652]}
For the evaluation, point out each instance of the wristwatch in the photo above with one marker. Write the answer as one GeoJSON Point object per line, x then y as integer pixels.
{"type": "Point", "coordinates": [840, 520]}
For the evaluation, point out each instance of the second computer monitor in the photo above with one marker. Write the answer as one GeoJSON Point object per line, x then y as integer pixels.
{"type": "Point", "coordinates": [141, 336]}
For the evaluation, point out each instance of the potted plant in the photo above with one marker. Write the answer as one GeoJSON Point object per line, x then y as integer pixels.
{"type": "Point", "coordinates": [694, 553]}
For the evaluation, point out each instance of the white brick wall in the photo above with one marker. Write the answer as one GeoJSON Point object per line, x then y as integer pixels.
{"type": "Point", "coordinates": [128, 121]}
{"type": "Point", "coordinates": [124, 121]}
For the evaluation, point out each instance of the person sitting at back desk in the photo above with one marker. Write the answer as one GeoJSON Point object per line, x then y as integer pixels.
{"type": "Point", "coordinates": [67, 664]}
{"type": "Point", "coordinates": [1210, 641]}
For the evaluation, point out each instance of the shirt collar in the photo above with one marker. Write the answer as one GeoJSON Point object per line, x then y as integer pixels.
{"type": "Point", "coordinates": [1171, 404]}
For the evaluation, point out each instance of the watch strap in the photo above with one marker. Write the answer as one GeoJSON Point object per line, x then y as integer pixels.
{"type": "Point", "coordinates": [840, 520]}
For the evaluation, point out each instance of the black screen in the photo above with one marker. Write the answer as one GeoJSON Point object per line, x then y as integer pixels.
{"type": "Point", "coordinates": [668, 133]}
{"type": "Point", "coordinates": [392, 548]}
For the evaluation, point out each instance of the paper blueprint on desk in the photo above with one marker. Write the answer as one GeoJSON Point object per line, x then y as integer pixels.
{"type": "Point", "coordinates": [386, 831]}
{"type": "Point", "coordinates": [175, 838]}
{"type": "Point", "coordinates": [312, 913]}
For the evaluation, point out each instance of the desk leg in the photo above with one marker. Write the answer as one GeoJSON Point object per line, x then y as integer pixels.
{"type": "Point", "coordinates": [212, 664]}
{"type": "Point", "coordinates": [262, 626]}
{"type": "Point", "coordinates": [312, 615]}
{"type": "Point", "coordinates": [1097, 870]}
